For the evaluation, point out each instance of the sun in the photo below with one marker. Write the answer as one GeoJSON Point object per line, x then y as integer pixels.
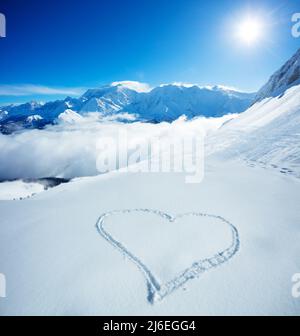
{"type": "Point", "coordinates": [249, 30]}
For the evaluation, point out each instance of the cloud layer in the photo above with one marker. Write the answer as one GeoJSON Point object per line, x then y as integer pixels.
{"type": "Point", "coordinates": [70, 150]}
{"type": "Point", "coordinates": [29, 90]}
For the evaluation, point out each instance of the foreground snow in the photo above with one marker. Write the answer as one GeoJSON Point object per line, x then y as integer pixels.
{"type": "Point", "coordinates": [56, 262]}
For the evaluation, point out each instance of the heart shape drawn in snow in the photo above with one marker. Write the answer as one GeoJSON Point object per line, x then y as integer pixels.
{"type": "Point", "coordinates": [156, 289]}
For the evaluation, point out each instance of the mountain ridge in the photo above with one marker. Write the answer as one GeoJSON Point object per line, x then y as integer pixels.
{"type": "Point", "coordinates": [162, 103]}
{"type": "Point", "coordinates": [283, 79]}
{"type": "Point", "coordinates": [166, 102]}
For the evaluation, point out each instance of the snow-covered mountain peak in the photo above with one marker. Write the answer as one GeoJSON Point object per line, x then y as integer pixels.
{"type": "Point", "coordinates": [287, 76]}
{"type": "Point", "coordinates": [97, 92]}
{"type": "Point", "coordinates": [69, 116]}
{"type": "Point", "coordinates": [32, 105]}
{"type": "Point", "coordinates": [108, 91]}
{"type": "Point", "coordinates": [179, 84]}
{"type": "Point", "coordinates": [34, 117]}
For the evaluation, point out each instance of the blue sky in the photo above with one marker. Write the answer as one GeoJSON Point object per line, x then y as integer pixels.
{"type": "Point", "coordinates": [60, 47]}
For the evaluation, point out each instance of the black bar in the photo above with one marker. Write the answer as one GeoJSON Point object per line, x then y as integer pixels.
{"type": "Point", "coordinates": [147, 325]}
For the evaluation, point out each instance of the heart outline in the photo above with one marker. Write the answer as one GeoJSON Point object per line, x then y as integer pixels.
{"type": "Point", "coordinates": [157, 291]}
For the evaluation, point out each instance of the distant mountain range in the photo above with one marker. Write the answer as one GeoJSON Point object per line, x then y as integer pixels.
{"type": "Point", "coordinates": [163, 103]}
{"type": "Point", "coordinates": [125, 102]}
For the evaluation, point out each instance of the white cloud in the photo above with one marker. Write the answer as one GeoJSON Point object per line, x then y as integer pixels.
{"type": "Point", "coordinates": [70, 149]}
{"type": "Point", "coordinates": [31, 89]}
{"type": "Point", "coordinates": [133, 85]}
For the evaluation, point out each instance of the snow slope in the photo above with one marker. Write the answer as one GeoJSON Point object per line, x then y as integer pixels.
{"type": "Point", "coordinates": [59, 263]}
{"type": "Point", "coordinates": [267, 133]}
